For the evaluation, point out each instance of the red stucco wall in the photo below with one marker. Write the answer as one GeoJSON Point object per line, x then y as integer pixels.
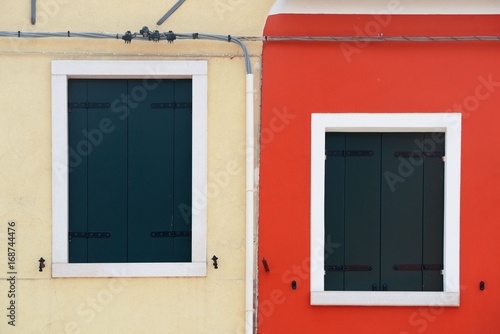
{"type": "Point", "coordinates": [300, 78]}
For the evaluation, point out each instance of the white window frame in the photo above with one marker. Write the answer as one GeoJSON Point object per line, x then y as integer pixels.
{"type": "Point", "coordinates": [62, 70]}
{"type": "Point", "coordinates": [450, 123]}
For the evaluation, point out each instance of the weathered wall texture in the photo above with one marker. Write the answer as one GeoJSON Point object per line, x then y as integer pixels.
{"type": "Point", "coordinates": [212, 304]}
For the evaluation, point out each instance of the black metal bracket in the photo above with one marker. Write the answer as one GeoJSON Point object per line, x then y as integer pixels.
{"type": "Point", "coordinates": [334, 268]}
{"type": "Point", "coordinates": [155, 36]}
{"type": "Point", "coordinates": [89, 235]}
{"type": "Point", "coordinates": [348, 268]}
{"type": "Point", "coordinates": [144, 31]}
{"type": "Point", "coordinates": [88, 105]}
{"type": "Point", "coordinates": [418, 154]}
{"type": "Point", "coordinates": [172, 105]}
{"type": "Point", "coordinates": [127, 37]}
{"type": "Point", "coordinates": [42, 264]}
{"type": "Point", "coordinates": [171, 36]}
{"type": "Point", "coordinates": [171, 234]}
{"type": "Point", "coordinates": [266, 266]}
{"type": "Point", "coordinates": [215, 258]}
{"type": "Point", "coordinates": [348, 153]}
{"type": "Point", "coordinates": [417, 267]}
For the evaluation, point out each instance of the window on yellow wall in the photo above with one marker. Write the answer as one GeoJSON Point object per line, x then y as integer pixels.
{"type": "Point", "coordinates": [129, 152]}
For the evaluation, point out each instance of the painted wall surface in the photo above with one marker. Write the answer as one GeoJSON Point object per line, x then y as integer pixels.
{"type": "Point", "coordinates": [300, 78]}
{"type": "Point", "coordinates": [211, 304]}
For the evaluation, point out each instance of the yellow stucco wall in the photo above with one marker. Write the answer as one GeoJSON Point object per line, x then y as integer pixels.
{"type": "Point", "coordinates": [212, 304]}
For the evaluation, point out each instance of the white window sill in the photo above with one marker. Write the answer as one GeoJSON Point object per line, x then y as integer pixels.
{"type": "Point", "coordinates": [191, 269]}
{"type": "Point", "coordinates": [385, 298]}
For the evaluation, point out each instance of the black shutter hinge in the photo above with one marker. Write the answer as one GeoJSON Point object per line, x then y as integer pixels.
{"type": "Point", "coordinates": [348, 268]}
{"type": "Point", "coordinates": [348, 153]}
{"type": "Point", "coordinates": [417, 267]}
{"type": "Point", "coordinates": [88, 105]}
{"type": "Point", "coordinates": [89, 235]}
{"type": "Point", "coordinates": [172, 105]}
{"type": "Point", "coordinates": [171, 234]}
{"type": "Point", "coordinates": [418, 154]}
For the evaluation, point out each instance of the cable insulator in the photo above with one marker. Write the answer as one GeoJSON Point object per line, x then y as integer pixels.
{"type": "Point", "coordinates": [155, 36]}
{"type": "Point", "coordinates": [127, 37]}
{"type": "Point", "coordinates": [144, 31]}
{"type": "Point", "coordinates": [171, 36]}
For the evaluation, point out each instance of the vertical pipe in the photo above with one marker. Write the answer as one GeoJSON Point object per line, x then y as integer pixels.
{"type": "Point", "coordinates": [33, 11]}
{"type": "Point", "coordinates": [170, 12]}
{"type": "Point", "coordinates": [249, 207]}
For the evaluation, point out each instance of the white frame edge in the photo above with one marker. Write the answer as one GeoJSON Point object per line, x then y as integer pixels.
{"type": "Point", "coordinates": [385, 7]}
{"type": "Point", "coordinates": [62, 70]}
{"type": "Point", "coordinates": [451, 124]}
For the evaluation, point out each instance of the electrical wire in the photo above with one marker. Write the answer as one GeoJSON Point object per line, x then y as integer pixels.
{"type": "Point", "coordinates": [380, 38]}
{"type": "Point", "coordinates": [146, 35]}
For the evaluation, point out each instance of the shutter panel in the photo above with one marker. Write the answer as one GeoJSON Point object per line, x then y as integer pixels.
{"type": "Point", "coordinates": [130, 170]}
{"type": "Point", "coordinates": [401, 221]}
{"type": "Point", "coordinates": [182, 169]}
{"type": "Point", "coordinates": [334, 211]}
{"type": "Point", "coordinates": [107, 174]}
{"type": "Point", "coordinates": [433, 211]}
{"type": "Point", "coordinates": [352, 211]}
{"type": "Point", "coordinates": [151, 176]}
{"type": "Point", "coordinates": [385, 210]}
{"type": "Point", "coordinates": [77, 177]}
{"type": "Point", "coordinates": [362, 211]}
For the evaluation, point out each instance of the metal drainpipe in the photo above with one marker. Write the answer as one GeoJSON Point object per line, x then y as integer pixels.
{"type": "Point", "coordinates": [249, 207]}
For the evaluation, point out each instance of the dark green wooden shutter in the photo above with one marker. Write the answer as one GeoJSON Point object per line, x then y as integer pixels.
{"type": "Point", "coordinates": [384, 208]}
{"type": "Point", "coordinates": [433, 212]}
{"type": "Point", "coordinates": [77, 166]}
{"type": "Point", "coordinates": [334, 211]}
{"type": "Point", "coordinates": [401, 214]}
{"type": "Point", "coordinates": [151, 190]}
{"type": "Point", "coordinates": [362, 211]}
{"type": "Point", "coordinates": [133, 178]}
{"type": "Point", "coordinates": [182, 168]}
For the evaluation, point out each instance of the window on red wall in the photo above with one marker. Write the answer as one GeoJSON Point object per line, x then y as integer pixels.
{"type": "Point", "coordinates": [384, 208]}
{"type": "Point", "coordinates": [385, 191]}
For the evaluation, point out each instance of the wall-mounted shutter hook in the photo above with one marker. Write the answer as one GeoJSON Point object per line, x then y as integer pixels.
{"type": "Point", "coordinates": [42, 264]}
